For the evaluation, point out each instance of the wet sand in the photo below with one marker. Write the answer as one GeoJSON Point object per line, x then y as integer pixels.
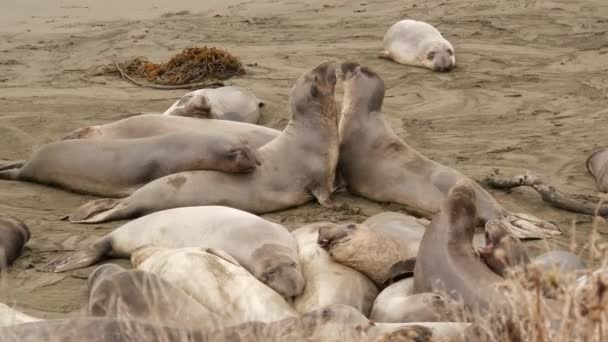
{"type": "Point", "coordinates": [530, 93]}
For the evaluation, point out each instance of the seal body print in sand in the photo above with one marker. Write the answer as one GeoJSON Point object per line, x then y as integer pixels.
{"type": "Point", "coordinates": [265, 249]}
{"type": "Point", "coordinates": [116, 168]}
{"type": "Point", "coordinates": [14, 234]}
{"type": "Point", "coordinates": [297, 166]}
{"type": "Point", "coordinates": [597, 164]}
{"type": "Point", "coordinates": [378, 165]}
{"type": "Point", "coordinates": [224, 103]}
{"type": "Point", "coordinates": [147, 125]}
{"type": "Point", "coordinates": [417, 43]}
{"type": "Point", "coordinates": [217, 281]}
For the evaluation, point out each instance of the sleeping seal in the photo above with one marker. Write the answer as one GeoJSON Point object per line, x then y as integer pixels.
{"type": "Point", "coordinates": [224, 103]}
{"type": "Point", "coordinates": [265, 249]}
{"type": "Point", "coordinates": [298, 166]}
{"type": "Point", "coordinates": [14, 234]}
{"type": "Point", "coordinates": [417, 43]}
{"type": "Point", "coordinates": [378, 165]}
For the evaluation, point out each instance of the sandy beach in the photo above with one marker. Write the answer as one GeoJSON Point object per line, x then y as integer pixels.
{"type": "Point", "coordinates": [530, 93]}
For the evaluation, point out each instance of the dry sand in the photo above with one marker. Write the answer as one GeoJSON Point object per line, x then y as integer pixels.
{"type": "Point", "coordinates": [530, 92]}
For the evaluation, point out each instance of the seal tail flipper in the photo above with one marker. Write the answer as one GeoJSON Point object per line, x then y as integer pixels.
{"type": "Point", "coordinates": [12, 174]}
{"type": "Point", "coordinates": [11, 164]}
{"type": "Point", "coordinates": [101, 210]}
{"type": "Point", "coordinates": [83, 258]}
{"type": "Point", "coordinates": [385, 55]}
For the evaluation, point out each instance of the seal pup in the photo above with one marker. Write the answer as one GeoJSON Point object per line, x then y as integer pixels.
{"type": "Point", "coordinates": [14, 234]}
{"type": "Point", "coordinates": [217, 281]}
{"type": "Point", "coordinates": [10, 316]}
{"type": "Point", "coordinates": [147, 125]}
{"type": "Point", "coordinates": [328, 282]}
{"type": "Point", "coordinates": [297, 166]}
{"type": "Point", "coordinates": [378, 165]}
{"type": "Point", "coordinates": [116, 168]}
{"type": "Point", "coordinates": [224, 103]}
{"type": "Point", "coordinates": [420, 307]}
{"type": "Point", "coordinates": [417, 43]}
{"type": "Point", "coordinates": [597, 164]}
{"type": "Point", "coordinates": [265, 249]}
{"type": "Point", "coordinates": [447, 262]}
{"type": "Point", "coordinates": [137, 295]}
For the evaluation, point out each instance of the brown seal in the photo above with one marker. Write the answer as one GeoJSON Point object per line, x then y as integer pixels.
{"type": "Point", "coordinates": [597, 164]}
{"type": "Point", "coordinates": [298, 166]}
{"type": "Point", "coordinates": [502, 250]}
{"type": "Point", "coordinates": [378, 165]}
{"type": "Point", "coordinates": [132, 294]}
{"type": "Point", "coordinates": [116, 168]}
{"type": "Point", "coordinates": [14, 234]}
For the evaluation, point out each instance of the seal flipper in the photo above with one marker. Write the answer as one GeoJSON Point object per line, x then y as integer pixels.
{"type": "Point", "coordinates": [222, 254]}
{"type": "Point", "coordinates": [385, 55]}
{"type": "Point", "coordinates": [83, 258]}
{"type": "Point", "coordinates": [101, 210]}
{"type": "Point", "coordinates": [12, 174]}
{"type": "Point", "coordinates": [11, 164]}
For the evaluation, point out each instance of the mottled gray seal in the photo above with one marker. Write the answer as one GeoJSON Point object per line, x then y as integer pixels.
{"type": "Point", "coordinates": [265, 249]}
{"type": "Point", "coordinates": [14, 234]}
{"type": "Point", "coordinates": [297, 166]}
{"type": "Point", "coordinates": [417, 43]}
{"type": "Point", "coordinates": [217, 281]}
{"type": "Point", "coordinates": [378, 165]}
{"type": "Point", "coordinates": [147, 125]}
{"type": "Point", "coordinates": [137, 295]}
{"type": "Point", "coordinates": [116, 168]}
{"type": "Point", "coordinates": [597, 164]}
{"type": "Point", "coordinates": [328, 282]}
{"type": "Point", "coordinates": [224, 103]}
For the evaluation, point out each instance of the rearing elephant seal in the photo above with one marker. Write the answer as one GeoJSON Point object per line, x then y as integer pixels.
{"type": "Point", "coordinates": [137, 295]}
{"type": "Point", "coordinates": [597, 164]}
{"type": "Point", "coordinates": [116, 168]}
{"type": "Point", "coordinates": [14, 234]}
{"type": "Point", "coordinates": [417, 43]}
{"type": "Point", "coordinates": [297, 166]}
{"type": "Point", "coordinates": [378, 165]}
{"type": "Point", "coordinates": [265, 249]}
{"type": "Point", "coordinates": [224, 103]}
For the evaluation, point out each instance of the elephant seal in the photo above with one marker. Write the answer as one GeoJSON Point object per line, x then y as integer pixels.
{"type": "Point", "coordinates": [10, 316]}
{"type": "Point", "coordinates": [224, 103]}
{"type": "Point", "coordinates": [14, 234]}
{"type": "Point", "coordinates": [447, 262]}
{"type": "Point", "coordinates": [328, 282]}
{"type": "Point", "coordinates": [369, 251]}
{"type": "Point", "coordinates": [133, 294]}
{"type": "Point", "coordinates": [417, 43]}
{"type": "Point", "coordinates": [148, 125]}
{"type": "Point", "coordinates": [116, 168]}
{"type": "Point", "coordinates": [298, 166]}
{"type": "Point", "coordinates": [265, 249]}
{"type": "Point", "coordinates": [597, 164]}
{"type": "Point", "coordinates": [420, 307]}
{"type": "Point", "coordinates": [217, 281]}
{"type": "Point", "coordinates": [378, 165]}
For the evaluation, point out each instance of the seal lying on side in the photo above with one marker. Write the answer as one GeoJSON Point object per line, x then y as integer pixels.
{"type": "Point", "coordinates": [10, 316]}
{"type": "Point", "coordinates": [298, 166]}
{"type": "Point", "coordinates": [265, 249]}
{"type": "Point", "coordinates": [132, 294]}
{"type": "Point", "coordinates": [225, 103]}
{"type": "Point", "coordinates": [14, 234]}
{"type": "Point", "coordinates": [417, 43]}
{"type": "Point", "coordinates": [378, 165]}
{"type": "Point", "coordinates": [597, 164]}
{"type": "Point", "coordinates": [116, 168]}
{"type": "Point", "coordinates": [328, 282]}
{"type": "Point", "coordinates": [217, 281]}
{"type": "Point", "coordinates": [147, 125]}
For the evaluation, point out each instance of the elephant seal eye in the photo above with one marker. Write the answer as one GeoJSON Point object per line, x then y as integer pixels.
{"type": "Point", "coordinates": [430, 55]}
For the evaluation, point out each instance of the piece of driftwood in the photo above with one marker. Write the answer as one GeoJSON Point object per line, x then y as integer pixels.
{"type": "Point", "coordinates": [548, 193]}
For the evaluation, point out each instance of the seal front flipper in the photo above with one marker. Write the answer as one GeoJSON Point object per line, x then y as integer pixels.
{"type": "Point", "coordinates": [100, 210]}
{"type": "Point", "coordinates": [83, 258]}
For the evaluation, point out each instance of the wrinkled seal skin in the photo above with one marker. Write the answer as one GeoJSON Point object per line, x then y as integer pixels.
{"type": "Point", "coordinates": [148, 125]}
{"type": "Point", "coordinates": [132, 294]}
{"type": "Point", "coordinates": [369, 251]}
{"type": "Point", "coordinates": [378, 165]}
{"type": "Point", "coordinates": [447, 262]}
{"type": "Point", "coordinates": [117, 168]}
{"type": "Point", "coordinates": [265, 249]}
{"type": "Point", "coordinates": [328, 282]}
{"type": "Point", "coordinates": [297, 166]}
{"type": "Point", "coordinates": [14, 234]}
{"type": "Point", "coordinates": [224, 103]}
{"type": "Point", "coordinates": [597, 164]}
{"type": "Point", "coordinates": [417, 43]}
